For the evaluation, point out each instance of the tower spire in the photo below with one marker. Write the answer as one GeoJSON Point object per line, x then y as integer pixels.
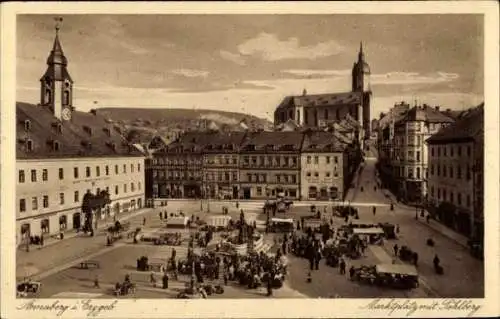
{"type": "Point", "coordinates": [361, 55]}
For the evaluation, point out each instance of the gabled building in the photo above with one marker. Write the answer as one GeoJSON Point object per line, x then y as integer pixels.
{"type": "Point", "coordinates": [323, 164]}
{"type": "Point", "coordinates": [63, 154]}
{"type": "Point", "coordinates": [456, 174]}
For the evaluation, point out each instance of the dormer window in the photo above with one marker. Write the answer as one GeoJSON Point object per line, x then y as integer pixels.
{"type": "Point", "coordinates": [56, 146]}
{"type": "Point", "coordinates": [107, 131]}
{"type": "Point", "coordinates": [312, 146]}
{"type": "Point", "coordinates": [27, 125]}
{"type": "Point", "coordinates": [29, 145]}
{"type": "Point", "coordinates": [87, 130]}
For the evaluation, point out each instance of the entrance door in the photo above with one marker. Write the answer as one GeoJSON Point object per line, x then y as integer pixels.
{"type": "Point", "coordinates": [235, 192]}
{"type": "Point", "coordinates": [246, 193]}
{"type": "Point", "coordinates": [139, 203]}
{"type": "Point", "coordinates": [76, 221]}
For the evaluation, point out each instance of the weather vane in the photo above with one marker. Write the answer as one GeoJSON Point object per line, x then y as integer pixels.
{"type": "Point", "coordinates": [58, 21]}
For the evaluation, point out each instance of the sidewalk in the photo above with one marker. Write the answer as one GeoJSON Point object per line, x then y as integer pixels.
{"type": "Point", "coordinates": [102, 224]}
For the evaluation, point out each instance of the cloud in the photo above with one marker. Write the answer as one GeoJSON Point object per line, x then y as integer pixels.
{"type": "Point", "coordinates": [270, 48]}
{"type": "Point", "coordinates": [132, 48]}
{"type": "Point", "coordinates": [233, 57]}
{"type": "Point", "coordinates": [189, 73]}
{"type": "Point", "coordinates": [413, 78]}
{"type": "Point", "coordinates": [317, 73]}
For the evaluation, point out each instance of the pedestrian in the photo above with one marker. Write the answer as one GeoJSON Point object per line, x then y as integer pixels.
{"type": "Point", "coordinates": [415, 258]}
{"type": "Point", "coordinates": [351, 272]}
{"type": "Point", "coordinates": [436, 261]}
{"type": "Point", "coordinates": [152, 279]}
{"type": "Point", "coordinates": [397, 228]}
{"type": "Point", "coordinates": [374, 210]}
{"type": "Point", "coordinates": [41, 240]}
{"type": "Point", "coordinates": [396, 248]}
{"type": "Point", "coordinates": [96, 282]}
{"type": "Point", "coordinates": [144, 221]}
{"type": "Point", "coordinates": [161, 215]}
{"type": "Point", "coordinates": [165, 281]}
{"type": "Point", "coordinates": [342, 266]}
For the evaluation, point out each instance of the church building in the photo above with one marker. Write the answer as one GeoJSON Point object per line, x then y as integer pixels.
{"type": "Point", "coordinates": [62, 154]}
{"type": "Point", "coordinates": [321, 110]}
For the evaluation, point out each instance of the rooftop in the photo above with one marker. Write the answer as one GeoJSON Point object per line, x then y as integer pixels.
{"type": "Point", "coordinates": [278, 141]}
{"type": "Point", "coordinates": [40, 135]}
{"type": "Point", "coordinates": [321, 141]}
{"type": "Point", "coordinates": [425, 113]}
{"type": "Point", "coordinates": [327, 99]}
{"type": "Point", "coordinates": [469, 127]}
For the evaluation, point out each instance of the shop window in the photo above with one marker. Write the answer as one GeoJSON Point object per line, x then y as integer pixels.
{"type": "Point", "coordinates": [63, 222]}
{"type": "Point", "coordinates": [44, 226]}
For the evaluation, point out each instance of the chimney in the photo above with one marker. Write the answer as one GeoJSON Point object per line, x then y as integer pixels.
{"type": "Point", "coordinates": [304, 92]}
{"type": "Point", "coordinates": [436, 108]}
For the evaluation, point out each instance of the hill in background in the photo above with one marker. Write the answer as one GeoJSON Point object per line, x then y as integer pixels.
{"type": "Point", "coordinates": [141, 124]}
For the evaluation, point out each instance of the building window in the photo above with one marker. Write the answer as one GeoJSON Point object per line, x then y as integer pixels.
{"type": "Point", "coordinates": [124, 168]}
{"type": "Point", "coordinates": [294, 179]}
{"type": "Point", "coordinates": [107, 170]}
{"type": "Point", "coordinates": [132, 187]}
{"type": "Point", "coordinates": [444, 170]}
{"type": "Point", "coordinates": [451, 197]}
{"type": "Point", "coordinates": [308, 174]}
{"type": "Point", "coordinates": [444, 194]}
{"type": "Point", "coordinates": [459, 199]}
{"type": "Point", "coordinates": [444, 151]}
{"type": "Point", "coordinates": [116, 190]}
{"type": "Point", "coordinates": [131, 168]}
{"type": "Point", "coordinates": [327, 174]}
{"type": "Point", "coordinates": [44, 225]}
{"type": "Point", "coordinates": [139, 167]}
{"type": "Point", "coordinates": [138, 186]}
{"type": "Point", "coordinates": [418, 156]}
{"type": "Point", "coordinates": [235, 176]}
{"type": "Point", "coordinates": [45, 175]}
{"type": "Point", "coordinates": [468, 151]}
{"type": "Point", "coordinates": [316, 174]}
{"type": "Point", "coordinates": [336, 159]}
{"type": "Point", "coordinates": [61, 198]}
{"type": "Point", "coordinates": [432, 191]}
{"type": "Point", "coordinates": [459, 172]}
{"type": "Point", "coordinates": [439, 151]}
{"type": "Point", "coordinates": [76, 197]}
{"type": "Point", "coordinates": [97, 171]}
{"type": "Point", "coordinates": [87, 171]}
{"type": "Point", "coordinates": [309, 160]}
{"type": "Point", "coordinates": [75, 172]}
{"type": "Point", "coordinates": [418, 172]}
{"type": "Point", "coordinates": [45, 201]}
{"type": "Point", "coordinates": [278, 178]}
{"type": "Point", "coordinates": [432, 169]}
{"type": "Point", "coordinates": [438, 170]}
{"type": "Point", "coordinates": [61, 173]}
{"type": "Point", "coordinates": [451, 171]}
{"type": "Point", "coordinates": [468, 172]}
{"type": "Point", "coordinates": [33, 175]}
{"type": "Point", "coordinates": [21, 176]}
{"type": "Point", "coordinates": [432, 151]}
{"type": "Point", "coordinates": [116, 169]}
{"type": "Point", "coordinates": [259, 191]}
{"type": "Point", "coordinates": [439, 193]}
{"type": "Point", "coordinates": [451, 150]}
{"type": "Point", "coordinates": [459, 150]}
{"type": "Point", "coordinates": [316, 159]}
{"type": "Point", "coordinates": [327, 159]}
{"type": "Point", "coordinates": [22, 205]}
{"type": "Point", "coordinates": [468, 200]}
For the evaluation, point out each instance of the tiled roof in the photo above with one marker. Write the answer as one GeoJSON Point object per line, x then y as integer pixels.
{"type": "Point", "coordinates": [426, 114]}
{"type": "Point", "coordinates": [469, 127]}
{"type": "Point", "coordinates": [322, 99]}
{"type": "Point", "coordinates": [278, 141]}
{"type": "Point", "coordinates": [86, 135]}
{"type": "Point", "coordinates": [213, 141]}
{"type": "Point", "coordinates": [320, 141]}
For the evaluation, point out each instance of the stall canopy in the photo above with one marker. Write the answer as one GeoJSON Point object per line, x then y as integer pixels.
{"type": "Point", "coordinates": [218, 220]}
{"type": "Point", "coordinates": [368, 231]}
{"type": "Point", "coordinates": [399, 269]}
{"type": "Point", "coordinates": [177, 221]}
{"type": "Point", "coordinates": [282, 220]}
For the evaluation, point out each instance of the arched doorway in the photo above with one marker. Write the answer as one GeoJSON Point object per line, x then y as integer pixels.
{"type": "Point", "coordinates": [63, 222]}
{"type": "Point", "coordinates": [76, 221]}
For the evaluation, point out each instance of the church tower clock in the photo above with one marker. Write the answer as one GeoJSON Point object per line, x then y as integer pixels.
{"type": "Point", "coordinates": [361, 83]}
{"type": "Point", "coordinates": [56, 83]}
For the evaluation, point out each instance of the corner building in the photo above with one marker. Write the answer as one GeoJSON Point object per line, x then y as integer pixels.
{"type": "Point", "coordinates": [63, 153]}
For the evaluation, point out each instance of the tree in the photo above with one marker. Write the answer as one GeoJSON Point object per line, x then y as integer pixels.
{"type": "Point", "coordinates": [93, 203]}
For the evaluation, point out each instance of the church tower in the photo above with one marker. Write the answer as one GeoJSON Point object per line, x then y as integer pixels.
{"type": "Point", "coordinates": [361, 83]}
{"type": "Point", "coordinates": [56, 83]}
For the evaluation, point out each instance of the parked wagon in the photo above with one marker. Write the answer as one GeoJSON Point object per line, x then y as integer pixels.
{"type": "Point", "coordinates": [279, 225]}
{"type": "Point", "coordinates": [400, 276]}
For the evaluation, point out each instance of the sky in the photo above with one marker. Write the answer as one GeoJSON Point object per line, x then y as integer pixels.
{"type": "Point", "coordinates": [249, 63]}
